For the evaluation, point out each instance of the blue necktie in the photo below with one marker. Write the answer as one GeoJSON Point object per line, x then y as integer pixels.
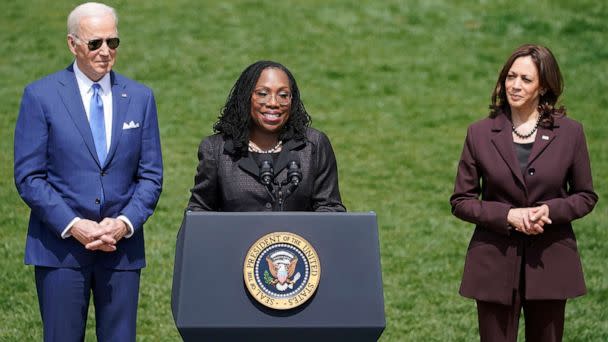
{"type": "Point", "coordinates": [97, 122]}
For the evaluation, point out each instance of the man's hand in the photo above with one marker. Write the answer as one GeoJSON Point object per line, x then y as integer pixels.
{"type": "Point", "coordinates": [115, 230]}
{"type": "Point", "coordinates": [93, 236]}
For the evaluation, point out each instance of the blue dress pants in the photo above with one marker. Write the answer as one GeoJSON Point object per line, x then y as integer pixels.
{"type": "Point", "coordinates": [64, 294]}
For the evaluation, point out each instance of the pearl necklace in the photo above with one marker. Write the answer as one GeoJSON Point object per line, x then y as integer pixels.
{"type": "Point", "coordinates": [526, 136]}
{"type": "Point", "coordinates": [252, 147]}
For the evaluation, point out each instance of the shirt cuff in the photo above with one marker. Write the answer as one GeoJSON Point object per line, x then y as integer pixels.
{"type": "Point", "coordinates": [129, 225]}
{"type": "Point", "coordinates": [66, 232]}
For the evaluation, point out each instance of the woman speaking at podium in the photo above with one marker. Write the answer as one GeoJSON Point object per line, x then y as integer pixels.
{"type": "Point", "coordinates": [263, 155]}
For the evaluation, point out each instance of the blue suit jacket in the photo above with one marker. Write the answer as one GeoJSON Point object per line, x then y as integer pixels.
{"type": "Point", "coordinates": [58, 175]}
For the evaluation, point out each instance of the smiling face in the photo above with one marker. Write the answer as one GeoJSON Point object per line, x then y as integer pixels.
{"type": "Point", "coordinates": [270, 103]}
{"type": "Point", "coordinates": [522, 85]}
{"type": "Point", "coordinates": [95, 64]}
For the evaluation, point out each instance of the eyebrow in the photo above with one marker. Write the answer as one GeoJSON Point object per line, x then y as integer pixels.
{"type": "Point", "coordinates": [267, 88]}
{"type": "Point", "coordinates": [522, 75]}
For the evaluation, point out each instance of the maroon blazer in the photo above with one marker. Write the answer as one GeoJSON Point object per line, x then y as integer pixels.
{"type": "Point", "coordinates": [558, 174]}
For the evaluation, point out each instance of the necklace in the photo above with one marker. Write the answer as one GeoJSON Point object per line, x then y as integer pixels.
{"type": "Point", "coordinates": [252, 147]}
{"type": "Point", "coordinates": [526, 136]}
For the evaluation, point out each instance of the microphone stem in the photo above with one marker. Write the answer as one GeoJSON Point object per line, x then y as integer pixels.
{"type": "Point", "coordinates": [269, 188]}
{"type": "Point", "coordinates": [281, 199]}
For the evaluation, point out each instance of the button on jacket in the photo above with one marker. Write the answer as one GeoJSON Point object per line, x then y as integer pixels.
{"type": "Point", "coordinates": [224, 182]}
{"type": "Point", "coordinates": [558, 175]}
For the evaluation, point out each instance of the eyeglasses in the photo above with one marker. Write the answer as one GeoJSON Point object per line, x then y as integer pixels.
{"type": "Point", "coordinates": [95, 44]}
{"type": "Point", "coordinates": [263, 97]}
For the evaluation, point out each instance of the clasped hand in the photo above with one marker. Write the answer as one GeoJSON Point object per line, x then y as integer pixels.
{"type": "Point", "coordinates": [529, 221]}
{"type": "Point", "coordinates": [101, 236]}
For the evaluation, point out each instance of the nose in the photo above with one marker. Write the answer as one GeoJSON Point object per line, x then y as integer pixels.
{"type": "Point", "coordinates": [272, 101]}
{"type": "Point", "coordinates": [517, 83]}
{"type": "Point", "coordinates": [104, 49]}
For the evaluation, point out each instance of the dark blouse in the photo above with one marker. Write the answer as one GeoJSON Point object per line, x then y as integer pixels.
{"type": "Point", "coordinates": [258, 157]}
{"type": "Point", "coordinates": [523, 152]}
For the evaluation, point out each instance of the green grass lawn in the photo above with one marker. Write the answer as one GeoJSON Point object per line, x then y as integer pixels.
{"type": "Point", "coordinates": [393, 83]}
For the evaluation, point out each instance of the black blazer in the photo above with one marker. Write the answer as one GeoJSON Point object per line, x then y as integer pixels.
{"type": "Point", "coordinates": [224, 182]}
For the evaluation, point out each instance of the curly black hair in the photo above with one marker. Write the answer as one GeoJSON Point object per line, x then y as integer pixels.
{"type": "Point", "coordinates": [550, 79]}
{"type": "Point", "coordinates": [235, 118]}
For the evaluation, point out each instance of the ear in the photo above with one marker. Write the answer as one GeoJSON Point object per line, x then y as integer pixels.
{"type": "Point", "coordinates": [71, 44]}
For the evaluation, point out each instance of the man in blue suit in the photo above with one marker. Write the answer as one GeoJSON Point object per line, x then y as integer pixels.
{"type": "Point", "coordinates": [88, 163]}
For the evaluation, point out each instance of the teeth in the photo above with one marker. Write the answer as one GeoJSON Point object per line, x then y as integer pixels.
{"type": "Point", "coordinates": [272, 115]}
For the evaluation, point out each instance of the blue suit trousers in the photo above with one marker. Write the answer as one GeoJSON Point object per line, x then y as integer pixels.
{"type": "Point", "coordinates": [64, 294]}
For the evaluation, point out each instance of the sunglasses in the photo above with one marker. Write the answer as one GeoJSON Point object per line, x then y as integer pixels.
{"type": "Point", "coordinates": [95, 44]}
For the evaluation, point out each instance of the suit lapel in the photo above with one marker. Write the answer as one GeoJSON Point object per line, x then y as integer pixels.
{"type": "Point", "coordinates": [248, 164]}
{"type": "Point", "coordinates": [70, 95]}
{"type": "Point", "coordinates": [544, 137]}
{"type": "Point", "coordinates": [503, 141]}
{"type": "Point", "coordinates": [286, 155]}
{"type": "Point", "coordinates": [120, 104]}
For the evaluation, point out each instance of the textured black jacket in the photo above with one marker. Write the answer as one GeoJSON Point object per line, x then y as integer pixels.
{"type": "Point", "coordinates": [224, 182]}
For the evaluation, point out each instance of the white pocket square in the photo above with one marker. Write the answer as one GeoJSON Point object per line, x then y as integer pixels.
{"type": "Point", "coordinates": [130, 125]}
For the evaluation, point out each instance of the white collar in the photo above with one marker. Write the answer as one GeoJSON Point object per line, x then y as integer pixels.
{"type": "Point", "coordinates": [85, 83]}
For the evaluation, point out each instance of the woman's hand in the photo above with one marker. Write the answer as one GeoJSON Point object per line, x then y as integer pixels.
{"type": "Point", "coordinates": [529, 221]}
{"type": "Point", "coordinates": [540, 213]}
{"type": "Point", "coordinates": [519, 219]}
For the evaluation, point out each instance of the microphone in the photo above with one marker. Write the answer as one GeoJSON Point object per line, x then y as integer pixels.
{"type": "Point", "coordinates": [294, 175]}
{"type": "Point", "coordinates": [267, 177]}
{"type": "Point", "coordinates": [266, 172]}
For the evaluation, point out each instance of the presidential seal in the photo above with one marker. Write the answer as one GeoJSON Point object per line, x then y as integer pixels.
{"type": "Point", "coordinates": [282, 270]}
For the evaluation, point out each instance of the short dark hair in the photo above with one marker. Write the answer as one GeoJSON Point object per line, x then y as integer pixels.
{"type": "Point", "coordinates": [235, 119]}
{"type": "Point", "coordinates": [550, 79]}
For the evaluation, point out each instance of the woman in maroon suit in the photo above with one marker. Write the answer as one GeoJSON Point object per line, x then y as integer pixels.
{"type": "Point", "coordinates": [523, 177]}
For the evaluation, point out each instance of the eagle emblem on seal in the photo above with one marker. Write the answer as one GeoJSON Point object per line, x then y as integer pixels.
{"type": "Point", "coordinates": [281, 270]}
{"type": "Point", "coordinates": [282, 266]}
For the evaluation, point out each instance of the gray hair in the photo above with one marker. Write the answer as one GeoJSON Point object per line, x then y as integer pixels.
{"type": "Point", "coordinates": [89, 9]}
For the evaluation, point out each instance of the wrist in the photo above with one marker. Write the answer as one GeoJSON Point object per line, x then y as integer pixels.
{"type": "Point", "coordinates": [123, 228]}
{"type": "Point", "coordinates": [130, 230]}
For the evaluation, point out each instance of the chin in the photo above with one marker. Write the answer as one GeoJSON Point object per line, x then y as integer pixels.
{"type": "Point", "coordinates": [515, 105]}
{"type": "Point", "coordinates": [273, 130]}
{"type": "Point", "coordinates": [104, 71]}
